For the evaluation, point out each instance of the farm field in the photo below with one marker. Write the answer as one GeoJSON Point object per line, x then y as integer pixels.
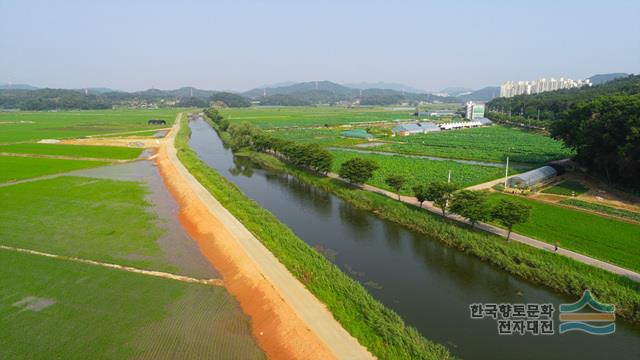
{"type": "Point", "coordinates": [493, 143]}
{"type": "Point", "coordinates": [314, 116]}
{"type": "Point", "coordinates": [420, 171]}
{"type": "Point", "coordinates": [19, 126]}
{"type": "Point", "coordinates": [18, 167]}
{"type": "Point", "coordinates": [51, 308]}
{"type": "Point", "coordinates": [635, 216]}
{"type": "Point", "coordinates": [614, 241]}
{"type": "Point", "coordinates": [322, 136]}
{"type": "Point", "coordinates": [107, 152]}
{"type": "Point", "coordinates": [566, 188]}
{"type": "Point", "coordinates": [104, 220]}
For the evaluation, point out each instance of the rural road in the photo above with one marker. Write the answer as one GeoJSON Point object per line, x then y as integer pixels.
{"type": "Point", "coordinates": [315, 316]}
{"type": "Point", "coordinates": [502, 232]}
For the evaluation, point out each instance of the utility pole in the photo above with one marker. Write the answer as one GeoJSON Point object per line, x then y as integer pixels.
{"type": "Point", "coordinates": [506, 173]}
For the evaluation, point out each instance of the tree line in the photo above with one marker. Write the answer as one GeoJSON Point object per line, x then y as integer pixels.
{"type": "Point", "coordinates": [64, 99]}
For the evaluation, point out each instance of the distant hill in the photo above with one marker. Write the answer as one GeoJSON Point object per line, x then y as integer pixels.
{"type": "Point", "coordinates": [17, 87]}
{"type": "Point", "coordinates": [485, 94]}
{"type": "Point", "coordinates": [302, 87]}
{"type": "Point", "coordinates": [604, 78]}
{"type": "Point", "coordinates": [384, 85]}
{"type": "Point", "coordinates": [327, 92]}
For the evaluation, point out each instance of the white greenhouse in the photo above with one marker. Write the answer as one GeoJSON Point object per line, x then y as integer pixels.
{"type": "Point", "coordinates": [531, 178]}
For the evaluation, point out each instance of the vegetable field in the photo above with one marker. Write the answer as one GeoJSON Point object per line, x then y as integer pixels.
{"type": "Point", "coordinates": [420, 171]}
{"type": "Point", "coordinates": [493, 143]}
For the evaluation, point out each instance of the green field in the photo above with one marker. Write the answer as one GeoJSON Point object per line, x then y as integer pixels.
{"type": "Point", "coordinates": [608, 210]}
{"type": "Point", "coordinates": [314, 116]}
{"type": "Point", "coordinates": [613, 241]}
{"type": "Point", "coordinates": [567, 188]}
{"type": "Point", "coordinates": [99, 219]}
{"type": "Point", "coordinates": [35, 125]}
{"type": "Point", "coordinates": [97, 313]}
{"type": "Point", "coordinates": [18, 168]}
{"type": "Point", "coordinates": [322, 136]}
{"type": "Point", "coordinates": [420, 171]}
{"type": "Point", "coordinates": [492, 143]}
{"type": "Point", "coordinates": [106, 152]}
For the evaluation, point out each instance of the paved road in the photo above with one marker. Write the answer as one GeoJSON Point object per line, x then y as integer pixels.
{"type": "Point", "coordinates": [309, 309]}
{"type": "Point", "coordinates": [502, 232]}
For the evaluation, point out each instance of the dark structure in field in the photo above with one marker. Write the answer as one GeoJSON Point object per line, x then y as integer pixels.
{"type": "Point", "coordinates": [156, 122]}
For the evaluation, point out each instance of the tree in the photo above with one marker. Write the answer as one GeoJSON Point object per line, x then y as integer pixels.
{"type": "Point", "coordinates": [471, 205]}
{"type": "Point", "coordinates": [510, 213]}
{"type": "Point", "coordinates": [395, 182]}
{"type": "Point", "coordinates": [420, 193]}
{"type": "Point", "coordinates": [440, 193]}
{"type": "Point", "coordinates": [357, 170]}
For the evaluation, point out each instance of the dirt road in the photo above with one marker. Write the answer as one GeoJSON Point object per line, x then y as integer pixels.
{"type": "Point", "coordinates": [287, 320]}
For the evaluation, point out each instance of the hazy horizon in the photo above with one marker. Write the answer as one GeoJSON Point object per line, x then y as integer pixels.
{"type": "Point", "coordinates": [242, 45]}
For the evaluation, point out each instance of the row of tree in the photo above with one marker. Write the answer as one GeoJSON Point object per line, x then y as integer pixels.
{"type": "Point", "coordinates": [309, 156]}
{"type": "Point", "coordinates": [472, 205]}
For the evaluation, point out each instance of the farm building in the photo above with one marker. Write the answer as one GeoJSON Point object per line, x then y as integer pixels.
{"type": "Point", "coordinates": [414, 128]}
{"type": "Point", "coordinates": [156, 122]}
{"type": "Point", "coordinates": [460, 125]}
{"type": "Point", "coordinates": [531, 178]}
{"type": "Point", "coordinates": [357, 133]}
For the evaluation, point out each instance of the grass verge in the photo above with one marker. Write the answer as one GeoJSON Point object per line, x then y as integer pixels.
{"type": "Point", "coordinates": [378, 328]}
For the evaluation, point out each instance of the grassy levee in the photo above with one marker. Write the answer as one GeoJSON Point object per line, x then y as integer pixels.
{"type": "Point", "coordinates": [560, 273]}
{"type": "Point", "coordinates": [557, 272]}
{"type": "Point", "coordinates": [378, 328]}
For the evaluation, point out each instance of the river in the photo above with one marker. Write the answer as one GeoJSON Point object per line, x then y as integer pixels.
{"type": "Point", "coordinates": [428, 284]}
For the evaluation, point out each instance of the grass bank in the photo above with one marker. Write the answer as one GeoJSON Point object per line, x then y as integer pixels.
{"type": "Point", "coordinates": [378, 328]}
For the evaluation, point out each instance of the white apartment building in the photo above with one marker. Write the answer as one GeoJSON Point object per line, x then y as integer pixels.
{"type": "Point", "coordinates": [513, 88]}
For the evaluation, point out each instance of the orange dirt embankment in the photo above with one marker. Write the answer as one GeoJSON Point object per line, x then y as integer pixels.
{"type": "Point", "coordinates": [275, 324]}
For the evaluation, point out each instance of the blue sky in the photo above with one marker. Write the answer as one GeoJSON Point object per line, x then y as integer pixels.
{"type": "Point", "coordinates": [238, 45]}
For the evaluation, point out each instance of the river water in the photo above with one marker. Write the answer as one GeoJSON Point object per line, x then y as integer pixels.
{"type": "Point", "coordinates": [430, 285]}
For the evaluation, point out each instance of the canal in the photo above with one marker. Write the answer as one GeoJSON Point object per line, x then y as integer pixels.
{"type": "Point", "coordinates": [430, 285]}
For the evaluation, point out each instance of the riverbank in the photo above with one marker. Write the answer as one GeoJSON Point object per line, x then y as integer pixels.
{"type": "Point", "coordinates": [287, 321]}
{"type": "Point", "coordinates": [378, 328]}
{"type": "Point", "coordinates": [541, 267]}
